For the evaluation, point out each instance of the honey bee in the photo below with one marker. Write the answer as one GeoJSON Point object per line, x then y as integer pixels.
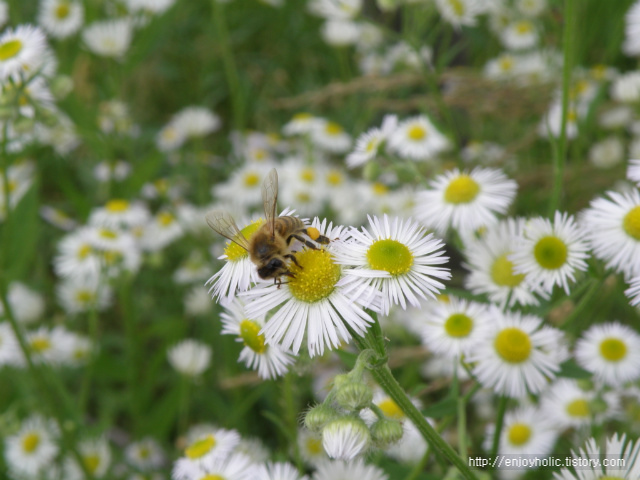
{"type": "Point", "coordinates": [269, 247]}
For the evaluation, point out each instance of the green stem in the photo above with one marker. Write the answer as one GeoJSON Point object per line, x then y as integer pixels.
{"type": "Point", "coordinates": [462, 413]}
{"type": "Point", "coordinates": [126, 304]}
{"type": "Point", "coordinates": [290, 409]}
{"type": "Point", "coordinates": [183, 402]}
{"type": "Point", "coordinates": [560, 148]}
{"type": "Point", "coordinates": [502, 408]}
{"type": "Point", "coordinates": [85, 388]}
{"type": "Point", "coordinates": [596, 284]}
{"type": "Point", "coordinates": [229, 65]}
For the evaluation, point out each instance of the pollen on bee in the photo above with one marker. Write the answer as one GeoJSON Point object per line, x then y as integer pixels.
{"type": "Point", "coordinates": [313, 233]}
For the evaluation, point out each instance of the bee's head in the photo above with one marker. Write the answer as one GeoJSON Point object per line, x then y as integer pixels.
{"type": "Point", "coordinates": [272, 269]}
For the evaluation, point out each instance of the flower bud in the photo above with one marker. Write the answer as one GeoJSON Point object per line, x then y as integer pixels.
{"type": "Point", "coordinates": [354, 396]}
{"type": "Point", "coordinates": [345, 438]}
{"type": "Point", "coordinates": [386, 432]}
{"type": "Point", "coordinates": [318, 417]}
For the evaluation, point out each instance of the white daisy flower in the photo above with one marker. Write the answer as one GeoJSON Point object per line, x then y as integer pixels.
{"type": "Point", "coordinates": [235, 466]}
{"type": "Point", "coordinates": [196, 121]}
{"type": "Point", "coordinates": [345, 438]}
{"type": "Point", "coordinates": [520, 35]}
{"type": "Point", "coordinates": [465, 200]}
{"type": "Point", "coordinates": [105, 171]}
{"type": "Point", "coordinates": [633, 171]}
{"type": "Point", "coordinates": [330, 137]}
{"type": "Point", "coordinates": [616, 118]}
{"type": "Point", "coordinates": [197, 301]}
{"type": "Point", "coordinates": [454, 327]}
{"type": "Point", "coordinates": [310, 446]}
{"type": "Point", "coordinates": [611, 352]}
{"type": "Point", "coordinates": [10, 353]}
{"type": "Point", "coordinates": [82, 294]}
{"type": "Point", "coordinates": [369, 143]}
{"type": "Point", "coordinates": [566, 405]}
{"type": "Point", "coordinates": [633, 292]}
{"type": "Point", "coordinates": [340, 33]}
{"type": "Point", "coordinates": [170, 138]}
{"type": "Point", "coordinates": [77, 256]}
{"type": "Point", "coordinates": [625, 88]}
{"type": "Point", "coordinates": [193, 269]}
{"type": "Point", "coordinates": [190, 357]}
{"type": "Point", "coordinates": [163, 229]}
{"type": "Point", "coordinates": [33, 448]}
{"type": "Point", "coordinates": [460, 12]}
{"type": "Point", "coordinates": [57, 218]}
{"type": "Point", "coordinates": [319, 300]}
{"type": "Point", "coordinates": [109, 38]}
{"type": "Point", "coordinates": [617, 448]}
{"type": "Point", "coordinates": [491, 271]}
{"type": "Point", "coordinates": [398, 259]}
{"type": "Point", "coordinates": [145, 454]}
{"type": "Point", "coordinates": [524, 431]}
{"type": "Point", "coordinates": [4, 12]}
{"type": "Point", "coordinates": [551, 253]}
{"type": "Point", "coordinates": [631, 45]}
{"type": "Point", "coordinates": [26, 304]}
{"type": "Point", "coordinates": [348, 470]}
{"type": "Point", "coordinates": [551, 124]}
{"type": "Point", "coordinates": [61, 18]}
{"type": "Point", "coordinates": [417, 139]}
{"type": "Point", "coordinates": [153, 6]}
{"type": "Point", "coordinates": [116, 249]}
{"type": "Point", "coordinates": [607, 153]}
{"type": "Point", "coordinates": [244, 186]}
{"type": "Point", "coordinates": [278, 471]}
{"type": "Point", "coordinates": [253, 448]}
{"type": "Point", "coordinates": [49, 345]}
{"type": "Point", "coordinates": [22, 52]}
{"type": "Point", "coordinates": [519, 355]}
{"type": "Point", "coordinates": [301, 124]}
{"type": "Point", "coordinates": [531, 8]}
{"type": "Point", "coordinates": [612, 228]}
{"type": "Point", "coordinates": [96, 455]}
{"type": "Point", "coordinates": [338, 9]}
{"type": "Point", "coordinates": [119, 213]}
{"type": "Point", "coordinates": [238, 272]}
{"type": "Point", "coordinates": [270, 361]}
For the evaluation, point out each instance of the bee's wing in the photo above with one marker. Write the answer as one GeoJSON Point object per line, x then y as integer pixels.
{"type": "Point", "coordinates": [223, 223]}
{"type": "Point", "coordinates": [270, 199]}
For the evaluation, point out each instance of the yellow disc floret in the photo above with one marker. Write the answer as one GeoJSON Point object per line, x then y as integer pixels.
{"type": "Point", "coordinates": [391, 409]}
{"type": "Point", "coordinates": [462, 189]}
{"type": "Point", "coordinates": [234, 251]}
{"type": "Point", "coordinates": [40, 344]}
{"type": "Point", "coordinates": [30, 442]}
{"type": "Point", "coordinates": [250, 334]}
{"type": "Point", "coordinates": [62, 11]}
{"type": "Point", "coordinates": [579, 408]}
{"type": "Point", "coordinates": [631, 223]}
{"type": "Point", "coordinates": [200, 447]}
{"type": "Point", "coordinates": [117, 205]}
{"type": "Point", "coordinates": [513, 345]}
{"type": "Point", "coordinates": [10, 49]}
{"type": "Point", "coordinates": [92, 462]}
{"type": "Point", "coordinates": [417, 132]}
{"type": "Point", "coordinates": [316, 279]}
{"type": "Point", "coordinates": [519, 434]}
{"type": "Point", "coordinates": [613, 349]}
{"type": "Point", "coordinates": [502, 273]}
{"type": "Point", "coordinates": [251, 179]}
{"type": "Point", "coordinates": [458, 325]}
{"type": "Point", "coordinates": [391, 256]}
{"type": "Point", "coordinates": [550, 252]}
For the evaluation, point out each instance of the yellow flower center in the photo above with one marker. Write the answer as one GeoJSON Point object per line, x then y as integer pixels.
{"type": "Point", "coordinates": [303, 197]}
{"type": "Point", "coordinates": [235, 252]}
{"type": "Point", "coordinates": [144, 452]}
{"type": "Point", "coordinates": [391, 409]}
{"type": "Point", "coordinates": [316, 279]}
{"type": "Point", "coordinates": [579, 408]}
{"type": "Point", "coordinates": [550, 252]}
{"type": "Point", "coordinates": [302, 116]}
{"type": "Point", "coordinates": [613, 349]}
{"type": "Point", "coordinates": [523, 28]}
{"type": "Point", "coordinates": [458, 325]}
{"type": "Point", "coordinates": [165, 219]}
{"type": "Point", "coordinates": [13, 185]}
{"type": "Point", "coordinates": [249, 332]}
{"type": "Point", "coordinates": [84, 251]}
{"type": "Point", "coordinates": [62, 10]}
{"type": "Point", "coordinates": [458, 7]}
{"type": "Point", "coordinates": [84, 296]}
{"type": "Point", "coordinates": [200, 447]}
{"type": "Point", "coordinates": [631, 223]}
{"type": "Point", "coordinates": [372, 144]}
{"type": "Point", "coordinates": [259, 154]}
{"type": "Point", "coordinates": [92, 462]}
{"type": "Point", "coordinates": [380, 188]}
{"type": "Point", "coordinates": [335, 178]}
{"type": "Point", "coordinates": [314, 446]}
{"type": "Point", "coordinates": [391, 256]}
{"type": "Point", "coordinates": [10, 49]}
{"type": "Point", "coordinates": [111, 257]}
{"type": "Point", "coordinates": [519, 434]}
{"type": "Point", "coordinates": [462, 189]}
{"type": "Point", "coordinates": [502, 272]}
{"type": "Point", "coordinates": [598, 71]}
{"type": "Point", "coordinates": [30, 442]}
{"type": "Point", "coordinates": [506, 63]}
{"type": "Point", "coordinates": [108, 234]}
{"type": "Point", "coordinates": [40, 344]}
{"type": "Point", "coordinates": [308, 175]}
{"type": "Point", "coordinates": [333, 128]}
{"type": "Point", "coordinates": [416, 132]}
{"type": "Point", "coordinates": [251, 179]}
{"type": "Point", "coordinates": [116, 206]}
{"type": "Point", "coordinates": [513, 345]}
{"type": "Point", "coordinates": [212, 477]}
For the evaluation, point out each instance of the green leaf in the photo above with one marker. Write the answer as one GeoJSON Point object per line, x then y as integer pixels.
{"type": "Point", "coordinates": [22, 232]}
{"type": "Point", "coordinates": [571, 369]}
{"type": "Point", "coordinates": [443, 408]}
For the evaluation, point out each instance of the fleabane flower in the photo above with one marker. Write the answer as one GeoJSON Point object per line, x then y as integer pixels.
{"type": "Point", "coordinates": [493, 273]}
{"type": "Point", "coordinates": [633, 171]}
{"type": "Point", "coordinates": [369, 143]}
{"type": "Point", "coordinates": [208, 449]}
{"type": "Point", "coordinates": [617, 448]}
{"type": "Point", "coordinates": [551, 253]}
{"type": "Point", "coordinates": [61, 18]}
{"type": "Point", "coordinates": [270, 361]}
{"type": "Point", "coordinates": [518, 355]}
{"type": "Point", "coordinates": [417, 139]}
{"type": "Point", "coordinates": [612, 228]}
{"type": "Point", "coordinates": [524, 431]}
{"type": "Point", "coordinates": [190, 357]}
{"type": "Point", "coordinates": [460, 12]}
{"type": "Point", "coordinates": [454, 327]}
{"type": "Point", "coordinates": [30, 451]}
{"type": "Point", "coordinates": [278, 471]}
{"type": "Point", "coordinates": [347, 470]}
{"type": "Point", "coordinates": [611, 352]}
{"type": "Point", "coordinates": [464, 200]}
{"type": "Point", "coordinates": [22, 52]}
{"type": "Point", "coordinates": [318, 300]}
{"type": "Point", "coordinates": [345, 438]}
{"type": "Point", "coordinates": [397, 258]}
{"type": "Point", "coordinates": [109, 38]}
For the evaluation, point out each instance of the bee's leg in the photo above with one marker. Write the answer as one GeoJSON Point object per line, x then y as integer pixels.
{"type": "Point", "coordinates": [301, 239]}
{"type": "Point", "coordinates": [293, 259]}
{"type": "Point", "coordinates": [314, 234]}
